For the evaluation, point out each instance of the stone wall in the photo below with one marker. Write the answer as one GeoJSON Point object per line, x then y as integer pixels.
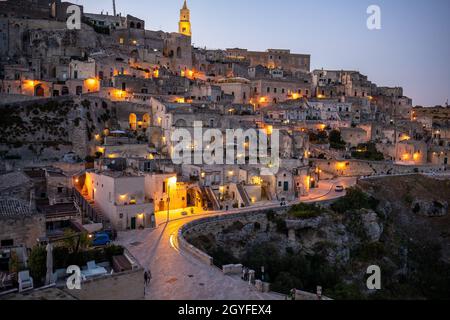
{"type": "Point", "coordinates": [23, 231]}
{"type": "Point", "coordinates": [351, 168]}
{"type": "Point", "coordinates": [215, 224]}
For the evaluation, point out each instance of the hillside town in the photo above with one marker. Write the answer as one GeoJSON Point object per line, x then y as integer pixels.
{"type": "Point", "coordinates": [87, 146]}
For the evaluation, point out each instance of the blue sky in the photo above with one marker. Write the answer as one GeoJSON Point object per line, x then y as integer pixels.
{"type": "Point", "coordinates": [411, 50]}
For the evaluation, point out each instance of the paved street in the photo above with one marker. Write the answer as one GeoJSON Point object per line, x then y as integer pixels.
{"type": "Point", "coordinates": [326, 190]}
{"type": "Point", "coordinates": [177, 275]}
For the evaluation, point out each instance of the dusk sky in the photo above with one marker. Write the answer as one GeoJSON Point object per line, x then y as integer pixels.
{"type": "Point", "coordinates": [412, 49]}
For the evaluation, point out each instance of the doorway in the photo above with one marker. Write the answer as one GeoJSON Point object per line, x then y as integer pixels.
{"type": "Point", "coordinates": [39, 91]}
{"type": "Point", "coordinates": [133, 223]}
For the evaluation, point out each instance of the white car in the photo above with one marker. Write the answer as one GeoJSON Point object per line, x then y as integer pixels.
{"type": "Point", "coordinates": [339, 189]}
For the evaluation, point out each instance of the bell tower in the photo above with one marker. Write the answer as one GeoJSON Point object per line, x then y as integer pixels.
{"type": "Point", "coordinates": [184, 26]}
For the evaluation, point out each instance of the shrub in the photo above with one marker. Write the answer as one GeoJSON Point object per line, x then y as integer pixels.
{"type": "Point", "coordinates": [281, 226]}
{"type": "Point", "coordinates": [271, 215]}
{"type": "Point", "coordinates": [370, 251]}
{"type": "Point", "coordinates": [222, 257]}
{"type": "Point", "coordinates": [113, 250]}
{"type": "Point", "coordinates": [60, 257]}
{"type": "Point", "coordinates": [304, 211]}
{"type": "Point", "coordinates": [368, 151]}
{"type": "Point", "coordinates": [336, 141]}
{"type": "Point", "coordinates": [37, 263]}
{"type": "Point", "coordinates": [355, 199]}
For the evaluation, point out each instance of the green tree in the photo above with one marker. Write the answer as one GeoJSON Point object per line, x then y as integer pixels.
{"type": "Point", "coordinates": [355, 199]}
{"type": "Point", "coordinates": [336, 141]}
{"type": "Point", "coordinates": [37, 263]}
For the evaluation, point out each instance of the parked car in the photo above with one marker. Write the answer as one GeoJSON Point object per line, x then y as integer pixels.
{"type": "Point", "coordinates": [339, 189]}
{"type": "Point", "coordinates": [101, 239]}
{"type": "Point", "coordinates": [184, 213]}
{"type": "Point", "coordinates": [111, 233]}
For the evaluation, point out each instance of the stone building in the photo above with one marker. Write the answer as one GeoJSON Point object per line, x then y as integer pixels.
{"type": "Point", "coordinates": [121, 198]}
{"type": "Point", "coordinates": [336, 83]}
{"type": "Point", "coordinates": [239, 88]}
{"type": "Point", "coordinates": [20, 224]}
{"type": "Point", "coordinates": [59, 187]}
{"type": "Point", "coordinates": [411, 152]}
{"type": "Point", "coordinates": [354, 136]}
{"type": "Point", "coordinates": [272, 91]}
{"type": "Point", "coordinates": [17, 185]}
{"type": "Point", "coordinates": [273, 59]}
{"type": "Point", "coordinates": [26, 9]}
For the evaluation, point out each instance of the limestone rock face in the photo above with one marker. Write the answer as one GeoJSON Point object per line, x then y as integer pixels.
{"type": "Point", "coordinates": [301, 224]}
{"type": "Point", "coordinates": [372, 225]}
{"type": "Point", "coordinates": [430, 209]}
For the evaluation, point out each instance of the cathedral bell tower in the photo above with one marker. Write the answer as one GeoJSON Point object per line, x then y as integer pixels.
{"type": "Point", "coordinates": [184, 26]}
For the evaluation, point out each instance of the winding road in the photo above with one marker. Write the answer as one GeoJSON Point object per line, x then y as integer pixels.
{"type": "Point", "coordinates": [177, 275]}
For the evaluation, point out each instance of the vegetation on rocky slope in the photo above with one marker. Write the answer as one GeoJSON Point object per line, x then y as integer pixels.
{"type": "Point", "coordinates": [372, 225]}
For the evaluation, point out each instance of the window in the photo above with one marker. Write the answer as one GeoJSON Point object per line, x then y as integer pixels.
{"type": "Point", "coordinates": [268, 89]}
{"type": "Point", "coordinates": [7, 243]}
{"type": "Point", "coordinates": [60, 190]}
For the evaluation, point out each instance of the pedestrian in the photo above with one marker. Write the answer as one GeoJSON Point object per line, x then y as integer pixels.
{"type": "Point", "coordinates": [146, 278]}
{"type": "Point", "coordinates": [243, 274]}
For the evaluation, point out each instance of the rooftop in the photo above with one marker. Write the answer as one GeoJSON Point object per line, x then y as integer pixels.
{"type": "Point", "coordinates": [14, 208]}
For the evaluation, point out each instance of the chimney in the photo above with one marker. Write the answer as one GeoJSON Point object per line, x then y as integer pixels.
{"type": "Point", "coordinates": [114, 7]}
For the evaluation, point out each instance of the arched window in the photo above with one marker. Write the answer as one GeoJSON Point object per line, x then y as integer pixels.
{"type": "Point", "coordinates": [132, 25]}
{"type": "Point", "coordinates": [179, 53]}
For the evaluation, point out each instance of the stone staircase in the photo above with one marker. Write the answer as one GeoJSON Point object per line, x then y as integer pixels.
{"type": "Point", "coordinates": [210, 197]}
{"type": "Point", "coordinates": [96, 214]}
{"type": "Point", "coordinates": [266, 193]}
{"type": "Point", "coordinates": [244, 195]}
